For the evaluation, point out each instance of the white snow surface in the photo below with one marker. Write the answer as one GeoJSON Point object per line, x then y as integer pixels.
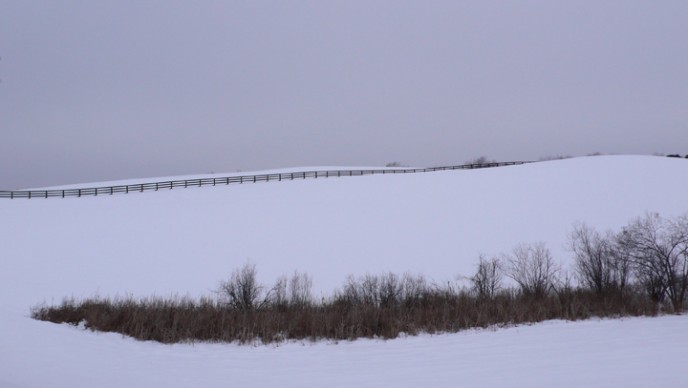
{"type": "Point", "coordinates": [184, 241]}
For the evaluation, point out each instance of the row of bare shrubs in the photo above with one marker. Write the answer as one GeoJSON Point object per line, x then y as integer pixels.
{"type": "Point", "coordinates": [641, 270]}
{"type": "Point", "coordinates": [366, 308]}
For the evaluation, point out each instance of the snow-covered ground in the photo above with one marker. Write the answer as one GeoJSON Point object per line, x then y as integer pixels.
{"type": "Point", "coordinates": [636, 352]}
{"type": "Point", "coordinates": [185, 241]}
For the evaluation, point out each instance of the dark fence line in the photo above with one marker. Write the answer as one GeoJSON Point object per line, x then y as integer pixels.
{"type": "Point", "coordinates": [109, 190]}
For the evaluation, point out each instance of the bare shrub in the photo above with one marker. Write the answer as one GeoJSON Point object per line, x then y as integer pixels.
{"type": "Point", "coordinates": [488, 277]}
{"type": "Point", "coordinates": [658, 249]}
{"type": "Point", "coordinates": [300, 286]}
{"type": "Point", "coordinates": [293, 291]}
{"type": "Point", "coordinates": [533, 268]}
{"type": "Point", "coordinates": [386, 290]}
{"type": "Point", "coordinates": [242, 291]}
{"type": "Point", "coordinates": [554, 157]}
{"type": "Point", "coordinates": [278, 296]}
{"type": "Point", "coordinates": [369, 290]}
{"type": "Point", "coordinates": [598, 264]}
{"type": "Point", "coordinates": [480, 161]}
{"type": "Point", "coordinates": [350, 291]}
{"type": "Point", "coordinates": [413, 287]}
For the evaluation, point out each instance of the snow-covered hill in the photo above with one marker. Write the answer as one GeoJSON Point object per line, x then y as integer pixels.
{"type": "Point", "coordinates": [186, 241]}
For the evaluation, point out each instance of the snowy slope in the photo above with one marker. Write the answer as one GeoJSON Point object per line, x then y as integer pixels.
{"type": "Point", "coordinates": [185, 241]}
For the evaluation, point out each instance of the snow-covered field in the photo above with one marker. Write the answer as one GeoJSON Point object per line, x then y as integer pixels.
{"type": "Point", "coordinates": [184, 241]}
{"type": "Point", "coordinates": [637, 352]}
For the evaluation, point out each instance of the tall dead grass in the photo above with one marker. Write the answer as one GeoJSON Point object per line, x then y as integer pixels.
{"type": "Point", "coordinates": [371, 306]}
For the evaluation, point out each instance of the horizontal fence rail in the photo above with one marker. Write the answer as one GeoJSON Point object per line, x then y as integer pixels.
{"type": "Point", "coordinates": [155, 186]}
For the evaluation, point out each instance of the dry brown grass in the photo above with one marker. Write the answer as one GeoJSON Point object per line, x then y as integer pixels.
{"type": "Point", "coordinates": [372, 306]}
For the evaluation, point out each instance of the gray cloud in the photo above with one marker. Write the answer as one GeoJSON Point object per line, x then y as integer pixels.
{"type": "Point", "coordinates": [97, 91]}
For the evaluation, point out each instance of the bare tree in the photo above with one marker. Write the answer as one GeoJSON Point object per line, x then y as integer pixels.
{"type": "Point", "coordinates": [622, 268]}
{"type": "Point", "coordinates": [488, 277]}
{"type": "Point", "coordinates": [533, 268]}
{"type": "Point", "coordinates": [300, 286]}
{"type": "Point", "coordinates": [242, 291]}
{"type": "Point", "coordinates": [598, 266]}
{"type": "Point", "coordinates": [480, 161]}
{"type": "Point", "coordinates": [658, 250]}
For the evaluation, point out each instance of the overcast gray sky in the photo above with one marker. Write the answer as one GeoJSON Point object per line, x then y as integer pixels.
{"type": "Point", "coordinates": [95, 90]}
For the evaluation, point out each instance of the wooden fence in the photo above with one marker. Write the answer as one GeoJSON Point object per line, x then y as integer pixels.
{"type": "Point", "coordinates": [109, 190]}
